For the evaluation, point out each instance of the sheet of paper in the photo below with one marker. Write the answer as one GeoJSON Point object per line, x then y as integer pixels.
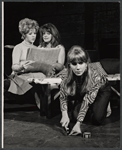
{"type": "Point", "coordinates": [114, 77]}
{"type": "Point", "coordinates": [48, 80]}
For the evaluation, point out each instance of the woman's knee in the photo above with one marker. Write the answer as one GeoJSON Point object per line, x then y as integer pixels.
{"type": "Point", "coordinates": [97, 120]}
{"type": "Point", "coordinates": [106, 89]}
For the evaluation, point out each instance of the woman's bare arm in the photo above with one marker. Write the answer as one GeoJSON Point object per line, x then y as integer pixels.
{"type": "Point", "coordinates": [61, 57]}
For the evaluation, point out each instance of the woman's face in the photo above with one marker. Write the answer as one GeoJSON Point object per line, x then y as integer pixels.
{"type": "Point", "coordinates": [47, 36]}
{"type": "Point", "coordinates": [30, 37]}
{"type": "Point", "coordinates": [78, 68]}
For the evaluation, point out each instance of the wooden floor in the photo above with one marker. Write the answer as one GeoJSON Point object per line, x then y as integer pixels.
{"type": "Point", "coordinates": [25, 128]}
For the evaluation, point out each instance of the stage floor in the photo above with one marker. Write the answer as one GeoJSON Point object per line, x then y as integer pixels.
{"type": "Point", "coordinates": [25, 128]}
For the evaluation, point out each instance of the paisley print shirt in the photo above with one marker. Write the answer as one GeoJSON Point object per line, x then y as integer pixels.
{"type": "Point", "coordinates": [97, 79]}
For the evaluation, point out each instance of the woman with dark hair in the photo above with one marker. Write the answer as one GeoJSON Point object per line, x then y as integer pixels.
{"type": "Point", "coordinates": [86, 88]}
{"type": "Point", "coordinates": [50, 38]}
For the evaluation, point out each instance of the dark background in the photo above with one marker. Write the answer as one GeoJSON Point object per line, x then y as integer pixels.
{"type": "Point", "coordinates": [93, 25]}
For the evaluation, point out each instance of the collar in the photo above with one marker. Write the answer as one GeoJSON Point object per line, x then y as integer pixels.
{"type": "Point", "coordinates": [27, 44]}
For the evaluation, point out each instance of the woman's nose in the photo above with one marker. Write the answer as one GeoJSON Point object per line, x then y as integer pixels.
{"type": "Point", "coordinates": [78, 66]}
{"type": "Point", "coordinates": [33, 35]}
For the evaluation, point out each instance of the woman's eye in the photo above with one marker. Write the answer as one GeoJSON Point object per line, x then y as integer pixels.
{"type": "Point", "coordinates": [74, 63]}
{"type": "Point", "coordinates": [48, 33]}
{"type": "Point", "coordinates": [30, 33]}
{"type": "Point", "coordinates": [80, 63]}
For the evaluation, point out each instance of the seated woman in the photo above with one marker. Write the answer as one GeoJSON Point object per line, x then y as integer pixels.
{"type": "Point", "coordinates": [28, 29]}
{"type": "Point", "coordinates": [50, 38]}
{"type": "Point", "coordinates": [85, 88]}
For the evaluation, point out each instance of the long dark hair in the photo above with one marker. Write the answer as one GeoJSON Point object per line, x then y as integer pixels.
{"type": "Point", "coordinates": [48, 27]}
{"type": "Point", "coordinates": [76, 53]}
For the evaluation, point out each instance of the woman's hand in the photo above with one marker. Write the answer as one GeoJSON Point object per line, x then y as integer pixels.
{"type": "Point", "coordinates": [26, 63]}
{"type": "Point", "coordinates": [65, 119]}
{"type": "Point", "coordinates": [54, 70]}
{"type": "Point", "coordinates": [59, 46]}
{"type": "Point", "coordinates": [76, 129]}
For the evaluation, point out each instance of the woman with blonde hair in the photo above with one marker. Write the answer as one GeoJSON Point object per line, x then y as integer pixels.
{"type": "Point", "coordinates": [28, 29]}
{"type": "Point", "coordinates": [86, 88]}
{"type": "Point", "coordinates": [18, 84]}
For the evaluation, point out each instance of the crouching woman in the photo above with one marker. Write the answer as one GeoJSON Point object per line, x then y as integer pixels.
{"type": "Point", "coordinates": [86, 88]}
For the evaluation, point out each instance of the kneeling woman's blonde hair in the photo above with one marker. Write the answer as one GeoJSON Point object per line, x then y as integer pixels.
{"type": "Point", "coordinates": [76, 54]}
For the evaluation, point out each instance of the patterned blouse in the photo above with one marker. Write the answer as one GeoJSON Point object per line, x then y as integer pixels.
{"type": "Point", "coordinates": [98, 79]}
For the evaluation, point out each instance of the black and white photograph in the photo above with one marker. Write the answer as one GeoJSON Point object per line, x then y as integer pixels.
{"type": "Point", "coordinates": [61, 74]}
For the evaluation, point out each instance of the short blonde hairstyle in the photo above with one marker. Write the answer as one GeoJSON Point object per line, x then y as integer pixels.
{"type": "Point", "coordinates": [25, 25]}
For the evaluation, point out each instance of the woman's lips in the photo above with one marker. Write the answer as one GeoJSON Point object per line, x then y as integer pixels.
{"type": "Point", "coordinates": [78, 72]}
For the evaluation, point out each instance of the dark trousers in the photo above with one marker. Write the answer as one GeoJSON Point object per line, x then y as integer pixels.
{"type": "Point", "coordinates": [98, 109]}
